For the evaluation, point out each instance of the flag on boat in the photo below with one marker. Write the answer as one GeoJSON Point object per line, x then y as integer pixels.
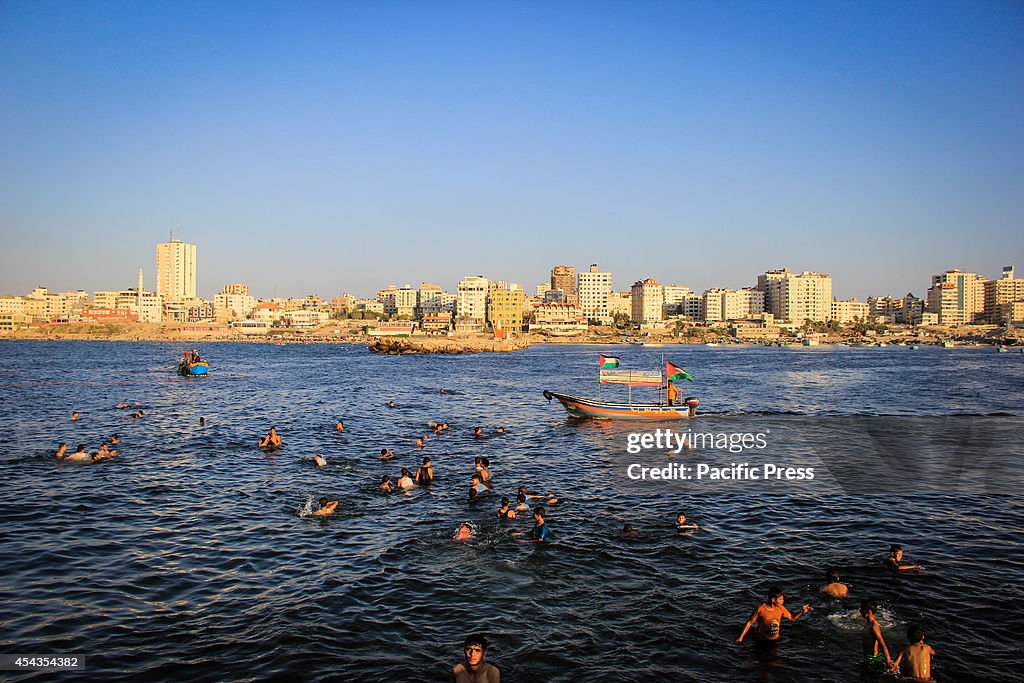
{"type": "Point", "coordinates": [608, 362]}
{"type": "Point", "coordinates": [673, 373]}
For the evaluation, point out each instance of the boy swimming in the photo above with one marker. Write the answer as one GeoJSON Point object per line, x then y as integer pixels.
{"type": "Point", "coordinates": [768, 616]}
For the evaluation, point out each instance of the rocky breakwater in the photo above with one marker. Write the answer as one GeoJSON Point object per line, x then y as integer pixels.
{"type": "Point", "coordinates": [445, 345]}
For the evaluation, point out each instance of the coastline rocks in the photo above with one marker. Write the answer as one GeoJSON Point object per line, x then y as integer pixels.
{"type": "Point", "coordinates": [394, 347]}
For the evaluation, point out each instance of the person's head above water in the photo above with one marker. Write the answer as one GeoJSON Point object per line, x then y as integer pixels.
{"type": "Point", "coordinates": [383, 451]}
{"type": "Point", "coordinates": [426, 461]}
{"type": "Point", "coordinates": [775, 594]}
{"type": "Point", "coordinates": [831, 575]}
{"type": "Point", "coordinates": [323, 501]}
{"type": "Point", "coordinates": [915, 634]}
{"type": "Point", "coordinates": [385, 479]}
{"type": "Point", "coordinates": [895, 548]}
{"type": "Point", "coordinates": [475, 647]}
{"type": "Point", "coordinates": [628, 529]}
{"type": "Point", "coordinates": [868, 607]}
{"type": "Point", "coordinates": [504, 502]}
{"type": "Point", "coordinates": [538, 512]}
{"type": "Point", "coordinates": [406, 472]}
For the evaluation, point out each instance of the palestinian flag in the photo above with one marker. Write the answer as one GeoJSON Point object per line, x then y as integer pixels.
{"type": "Point", "coordinates": [673, 373]}
{"type": "Point", "coordinates": [608, 362]}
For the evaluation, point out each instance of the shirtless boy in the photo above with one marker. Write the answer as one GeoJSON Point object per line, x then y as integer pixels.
{"type": "Point", "coordinates": [475, 669]}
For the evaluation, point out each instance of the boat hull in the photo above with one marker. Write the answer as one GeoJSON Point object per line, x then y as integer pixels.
{"type": "Point", "coordinates": [194, 369]}
{"type": "Point", "coordinates": [585, 408]}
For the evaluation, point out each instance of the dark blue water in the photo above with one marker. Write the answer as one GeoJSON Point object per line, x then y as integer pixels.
{"type": "Point", "coordinates": [186, 556]}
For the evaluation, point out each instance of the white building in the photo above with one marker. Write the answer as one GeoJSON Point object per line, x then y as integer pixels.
{"type": "Point", "coordinates": [850, 311]}
{"type": "Point", "coordinates": [594, 289]}
{"type": "Point", "coordinates": [471, 298]}
{"type": "Point", "coordinates": [176, 270]}
{"type": "Point", "coordinates": [732, 304]}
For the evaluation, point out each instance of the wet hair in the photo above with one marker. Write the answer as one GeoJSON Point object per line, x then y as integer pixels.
{"type": "Point", "coordinates": [774, 592]}
{"type": "Point", "coordinates": [894, 548]}
{"type": "Point", "coordinates": [383, 451]}
{"type": "Point", "coordinates": [627, 528]}
{"type": "Point", "coordinates": [485, 462]}
{"type": "Point", "coordinates": [476, 639]}
{"type": "Point", "coordinates": [62, 443]}
{"type": "Point", "coordinates": [115, 436]}
{"type": "Point", "coordinates": [915, 634]}
{"type": "Point", "coordinates": [426, 460]}
{"type": "Point", "coordinates": [81, 447]}
{"type": "Point", "coordinates": [521, 498]}
{"type": "Point", "coordinates": [831, 575]}
{"type": "Point", "coordinates": [385, 479]}
{"type": "Point", "coordinates": [868, 606]}
{"type": "Point", "coordinates": [504, 501]}
{"type": "Point", "coordinates": [539, 510]}
{"type": "Point", "coordinates": [323, 502]}
{"type": "Point", "coordinates": [475, 477]}
{"type": "Point", "coordinates": [406, 472]}
{"type": "Point", "coordinates": [523, 490]}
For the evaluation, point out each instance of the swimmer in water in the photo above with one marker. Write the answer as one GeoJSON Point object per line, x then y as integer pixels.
{"type": "Point", "coordinates": [478, 432]}
{"type": "Point", "coordinates": [319, 461]}
{"type": "Point", "coordinates": [74, 416]}
{"type": "Point", "coordinates": [80, 455]}
{"type": "Point", "coordinates": [123, 405]}
{"type": "Point", "coordinates": [628, 530]}
{"type": "Point", "coordinates": [386, 485]}
{"type": "Point", "coordinates": [833, 588]}
{"type": "Point", "coordinates": [405, 481]}
{"type": "Point", "coordinates": [547, 497]}
{"type": "Point", "coordinates": [386, 454]}
{"type": "Point", "coordinates": [340, 426]}
{"type": "Point", "coordinates": [425, 473]}
{"type": "Point", "coordinates": [768, 616]}
{"type": "Point", "coordinates": [539, 533]}
{"type": "Point", "coordinates": [62, 448]}
{"type": "Point", "coordinates": [874, 664]}
{"type": "Point", "coordinates": [481, 466]}
{"type": "Point", "coordinates": [115, 439]}
{"type": "Point", "coordinates": [391, 404]}
{"type": "Point", "coordinates": [419, 443]}
{"type": "Point", "coordinates": [521, 504]}
{"type": "Point", "coordinates": [327, 507]}
{"type": "Point", "coordinates": [501, 430]}
{"type": "Point", "coordinates": [506, 512]}
{"type": "Point", "coordinates": [271, 440]}
{"type": "Point", "coordinates": [202, 421]}
{"type": "Point", "coordinates": [464, 533]}
{"type": "Point", "coordinates": [918, 654]}
{"type": "Point", "coordinates": [682, 524]}
{"type": "Point", "coordinates": [477, 488]}
{"type": "Point", "coordinates": [438, 429]}
{"type": "Point", "coordinates": [474, 669]}
{"type": "Point", "coordinates": [895, 560]}
{"type": "Point", "coordinates": [103, 453]}
{"type": "Point", "coordinates": [136, 416]}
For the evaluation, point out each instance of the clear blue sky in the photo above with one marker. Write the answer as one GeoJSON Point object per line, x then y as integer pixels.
{"type": "Point", "coordinates": [328, 147]}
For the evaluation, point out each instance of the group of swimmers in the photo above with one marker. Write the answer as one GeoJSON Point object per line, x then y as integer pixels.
{"type": "Point", "coordinates": [877, 660]}
{"type": "Point", "coordinates": [104, 452]}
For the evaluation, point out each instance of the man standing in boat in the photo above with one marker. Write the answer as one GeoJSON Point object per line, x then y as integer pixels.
{"type": "Point", "coordinates": [673, 373]}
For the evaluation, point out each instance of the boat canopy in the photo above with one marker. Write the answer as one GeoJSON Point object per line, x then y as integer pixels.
{"type": "Point", "coordinates": [633, 378]}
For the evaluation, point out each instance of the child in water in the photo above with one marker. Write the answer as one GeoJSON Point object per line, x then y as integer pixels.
{"type": "Point", "coordinates": [327, 507]}
{"type": "Point", "coordinates": [768, 616]}
{"type": "Point", "coordinates": [833, 588]}
{"type": "Point", "coordinates": [919, 655]}
{"type": "Point", "coordinates": [895, 560]}
{"type": "Point", "coordinates": [871, 641]}
{"type": "Point", "coordinates": [682, 524]}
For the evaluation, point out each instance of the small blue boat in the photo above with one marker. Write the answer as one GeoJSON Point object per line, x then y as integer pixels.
{"type": "Point", "coordinates": [194, 369]}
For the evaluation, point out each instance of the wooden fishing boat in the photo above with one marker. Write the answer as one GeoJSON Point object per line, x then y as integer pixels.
{"type": "Point", "coordinates": [586, 408]}
{"type": "Point", "coordinates": [601, 409]}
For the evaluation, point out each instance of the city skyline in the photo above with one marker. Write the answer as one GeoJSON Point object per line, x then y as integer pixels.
{"type": "Point", "coordinates": [326, 148]}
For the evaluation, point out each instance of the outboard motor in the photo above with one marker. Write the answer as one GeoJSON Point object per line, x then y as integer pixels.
{"type": "Point", "coordinates": [691, 404]}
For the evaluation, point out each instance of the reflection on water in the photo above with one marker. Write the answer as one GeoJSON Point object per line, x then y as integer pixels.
{"type": "Point", "coordinates": [186, 556]}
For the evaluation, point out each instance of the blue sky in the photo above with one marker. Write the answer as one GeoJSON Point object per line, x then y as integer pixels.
{"type": "Point", "coordinates": [328, 147]}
